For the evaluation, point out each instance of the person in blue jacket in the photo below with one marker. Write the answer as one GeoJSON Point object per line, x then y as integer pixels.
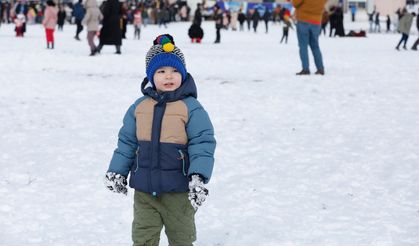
{"type": "Point", "coordinates": [166, 145]}
{"type": "Point", "coordinates": [78, 13]}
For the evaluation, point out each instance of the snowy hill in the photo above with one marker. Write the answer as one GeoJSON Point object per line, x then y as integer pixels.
{"type": "Point", "coordinates": [315, 160]}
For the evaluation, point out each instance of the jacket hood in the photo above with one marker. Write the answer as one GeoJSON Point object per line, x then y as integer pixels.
{"type": "Point", "coordinates": [187, 89]}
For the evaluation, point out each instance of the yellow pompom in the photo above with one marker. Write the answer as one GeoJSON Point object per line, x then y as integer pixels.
{"type": "Point", "coordinates": [169, 47]}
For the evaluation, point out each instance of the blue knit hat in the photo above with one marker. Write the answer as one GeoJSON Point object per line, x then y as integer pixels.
{"type": "Point", "coordinates": [164, 53]}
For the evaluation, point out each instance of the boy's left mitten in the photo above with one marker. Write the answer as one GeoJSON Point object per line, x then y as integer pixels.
{"type": "Point", "coordinates": [197, 191]}
{"type": "Point", "coordinates": [116, 182]}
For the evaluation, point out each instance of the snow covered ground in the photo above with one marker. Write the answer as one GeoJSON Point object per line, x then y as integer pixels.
{"type": "Point", "coordinates": [314, 160]}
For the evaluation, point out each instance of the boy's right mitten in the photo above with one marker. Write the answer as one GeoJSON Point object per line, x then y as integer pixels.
{"type": "Point", "coordinates": [116, 182]}
{"type": "Point", "coordinates": [197, 191]}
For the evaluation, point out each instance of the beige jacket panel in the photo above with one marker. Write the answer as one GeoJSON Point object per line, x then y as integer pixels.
{"type": "Point", "coordinates": [173, 128]}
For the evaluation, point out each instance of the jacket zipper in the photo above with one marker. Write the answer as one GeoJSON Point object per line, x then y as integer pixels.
{"type": "Point", "coordinates": [182, 157]}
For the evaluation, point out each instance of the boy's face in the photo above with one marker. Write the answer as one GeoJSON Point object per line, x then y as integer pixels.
{"type": "Point", "coordinates": [167, 79]}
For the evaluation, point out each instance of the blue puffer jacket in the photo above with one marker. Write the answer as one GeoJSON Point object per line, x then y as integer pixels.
{"type": "Point", "coordinates": [164, 139]}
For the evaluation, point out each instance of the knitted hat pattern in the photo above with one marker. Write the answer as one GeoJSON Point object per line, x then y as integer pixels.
{"type": "Point", "coordinates": [164, 53]}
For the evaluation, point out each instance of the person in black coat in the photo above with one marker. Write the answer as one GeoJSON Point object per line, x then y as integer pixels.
{"type": "Point", "coordinates": [195, 31]}
{"type": "Point", "coordinates": [241, 18]}
{"type": "Point", "coordinates": [340, 30]}
{"type": "Point", "coordinates": [255, 19]}
{"type": "Point", "coordinates": [266, 18]}
{"type": "Point", "coordinates": [332, 21]}
{"type": "Point", "coordinates": [61, 17]}
{"type": "Point", "coordinates": [388, 23]}
{"type": "Point", "coordinates": [249, 18]}
{"type": "Point", "coordinates": [198, 15]}
{"type": "Point", "coordinates": [218, 18]}
{"type": "Point", "coordinates": [111, 33]}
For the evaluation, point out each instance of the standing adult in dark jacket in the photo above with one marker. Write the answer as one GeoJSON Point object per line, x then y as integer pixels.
{"type": "Point", "coordinates": [340, 30]}
{"type": "Point", "coordinates": [61, 17]}
{"type": "Point", "coordinates": [255, 19]}
{"type": "Point", "coordinates": [249, 18]}
{"type": "Point", "coordinates": [241, 18]}
{"type": "Point", "coordinates": [266, 18]}
{"type": "Point", "coordinates": [78, 13]}
{"type": "Point", "coordinates": [218, 18]}
{"type": "Point", "coordinates": [197, 19]}
{"type": "Point", "coordinates": [111, 34]}
{"type": "Point", "coordinates": [333, 20]}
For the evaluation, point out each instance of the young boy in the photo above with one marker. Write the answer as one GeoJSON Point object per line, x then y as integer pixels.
{"type": "Point", "coordinates": [167, 145]}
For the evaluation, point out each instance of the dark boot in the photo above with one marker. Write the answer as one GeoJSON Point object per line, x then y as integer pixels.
{"type": "Point", "coordinates": [319, 72]}
{"type": "Point", "coordinates": [303, 72]}
{"type": "Point", "coordinates": [52, 45]}
{"type": "Point", "coordinates": [118, 49]}
{"type": "Point", "coordinates": [99, 48]}
{"type": "Point", "coordinates": [47, 45]}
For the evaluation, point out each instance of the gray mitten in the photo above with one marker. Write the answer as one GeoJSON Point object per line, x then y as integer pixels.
{"type": "Point", "coordinates": [197, 191]}
{"type": "Point", "coordinates": [116, 182]}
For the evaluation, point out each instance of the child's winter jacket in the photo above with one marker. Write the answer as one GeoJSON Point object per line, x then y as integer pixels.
{"type": "Point", "coordinates": [165, 137]}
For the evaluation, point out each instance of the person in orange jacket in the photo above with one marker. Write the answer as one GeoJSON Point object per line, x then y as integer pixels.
{"type": "Point", "coordinates": [309, 19]}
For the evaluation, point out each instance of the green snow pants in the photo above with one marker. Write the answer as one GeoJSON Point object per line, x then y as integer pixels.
{"type": "Point", "coordinates": [173, 210]}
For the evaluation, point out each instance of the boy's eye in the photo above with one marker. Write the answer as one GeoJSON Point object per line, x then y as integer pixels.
{"type": "Point", "coordinates": [160, 71]}
{"type": "Point", "coordinates": [175, 70]}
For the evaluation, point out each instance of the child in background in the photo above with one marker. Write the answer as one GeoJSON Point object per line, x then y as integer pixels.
{"type": "Point", "coordinates": [19, 27]}
{"type": "Point", "coordinates": [138, 21]}
{"type": "Point", "coordinates": [167, 146]}
{"type": "Point", "coordinates": [285, 29]}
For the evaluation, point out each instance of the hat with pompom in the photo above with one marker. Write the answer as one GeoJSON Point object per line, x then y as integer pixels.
{"type": "Point", "coordinates": [164, 53]}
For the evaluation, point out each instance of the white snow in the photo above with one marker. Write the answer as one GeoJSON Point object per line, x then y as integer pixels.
{"type": "Point", "coordinates": [315, 160]}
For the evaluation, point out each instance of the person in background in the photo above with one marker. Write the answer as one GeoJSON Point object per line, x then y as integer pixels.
{"type": "Point", "coordinates": [249, 18]}
{"type": "Point", "coordinates": [325, 21]}
{"type": "Point", "coordinates": [19, 21]}
{"type": "Point", "coordinates": [138, 21]}
{"type": "Point", "coordinates": [371, 19]}
{"type": "Point", "coordinates": [218, 18]}
{"type": "Point", "coordinates": [377, 27]}
{"type": "Point", "coordinates": [241, 18]}
{"type": "Point", "coordinates": [309, 17]}
{"type": "Point", "coordinates": [21, 7]}
{"type": "Point", "coordinates": [195, 32]}
{"type": "Point", "coordinates": [266, 18]}
{"type": "Point", "coordinates": [353, 12]}
{"type": "Point", "coordinates": [415, 45]}
{"type": "Point", "coordinates": [111, 33]}
{"type": "Point", "coordinates": [78, 13]}
{"type": "Point", "coordinates": [285, 28]}
{"type": "Point", "coordinates": [388, 23]}
{"type": "Point", "coordinates": [61, 17]}
{"type": "Point", "coordinates": [92, 20]}
{"type": "Point", "coordinates": [255, 20]}
{"type": "Point", "coordinates": [49, 22]}
{"type": "Point", "coordinates": [405, 24]}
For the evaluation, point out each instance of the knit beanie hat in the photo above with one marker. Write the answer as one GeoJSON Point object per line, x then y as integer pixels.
{"type": "Point", "coordinates": [164, 53]}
